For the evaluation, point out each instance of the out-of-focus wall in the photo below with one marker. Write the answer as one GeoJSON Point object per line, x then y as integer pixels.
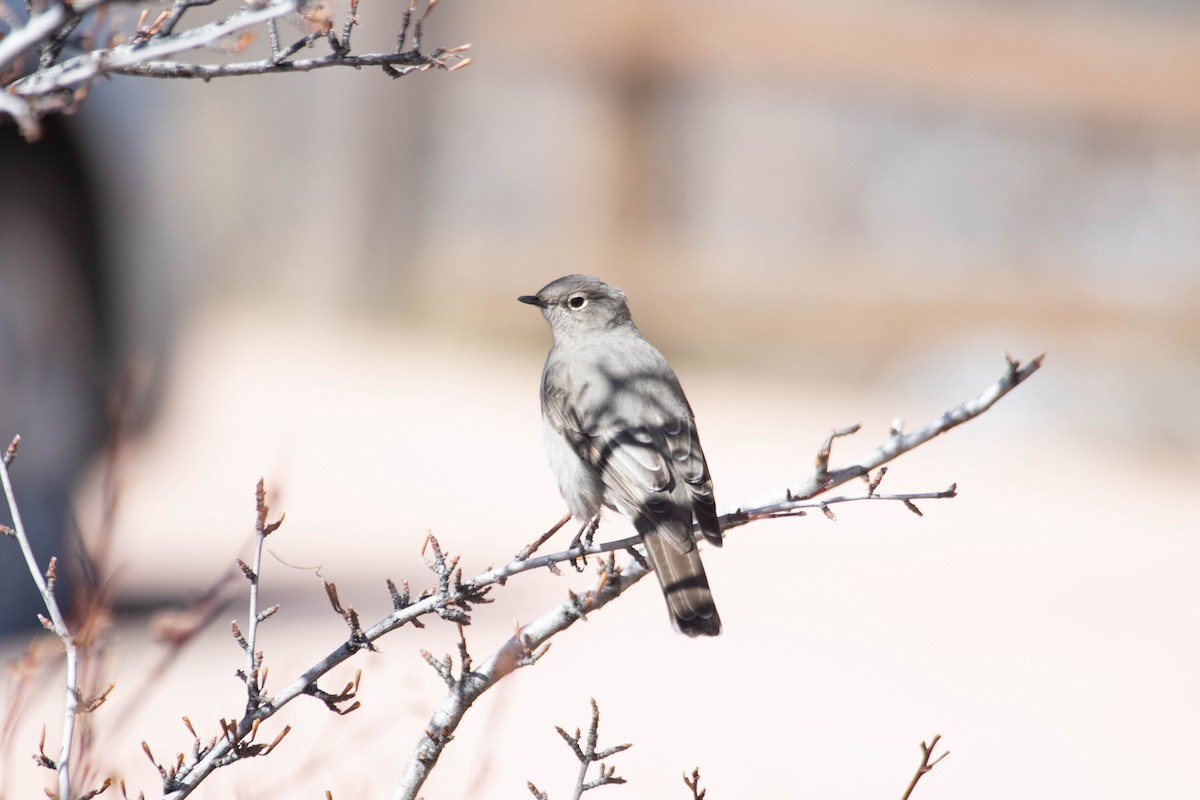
{"type": "Point", "coordinates": [824, 180]}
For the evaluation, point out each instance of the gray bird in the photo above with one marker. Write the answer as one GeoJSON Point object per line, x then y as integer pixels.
{"type": "Point", "coordinates": [620, 433]}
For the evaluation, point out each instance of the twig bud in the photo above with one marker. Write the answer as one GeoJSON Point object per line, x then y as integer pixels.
{"type": "Point", "coordinates": [11, 452]}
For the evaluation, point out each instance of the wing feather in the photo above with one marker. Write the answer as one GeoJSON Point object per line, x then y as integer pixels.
{"type": "Point", "coordinates": [656, 471]}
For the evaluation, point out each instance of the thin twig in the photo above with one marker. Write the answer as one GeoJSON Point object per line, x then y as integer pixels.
{"type": "Point", "coordinates": [348, 26]}
{"type": "Point", "coordinates": [898, 443]}
{"type": "Point", "coordinates": [56, 623]}
{"type": "Point", "coordinates": [926, 765]}
{"type": "Point", "coordinates": [273, 37]}
{"type": "Point", "coordinates": [531, 548]}
{"type": "Point", "coordinates": [586, 753]}
{"type": "Point", "coordinates": [253, 657]}
{"type": "Point", "coordinates": [177, 12]}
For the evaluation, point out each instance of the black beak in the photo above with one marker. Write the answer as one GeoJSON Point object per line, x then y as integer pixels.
{"type": "Point", "coordinates": [530, 299]}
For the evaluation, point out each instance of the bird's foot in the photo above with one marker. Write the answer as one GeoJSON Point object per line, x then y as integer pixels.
{"type": "Point", "coordinates": [583, 540]}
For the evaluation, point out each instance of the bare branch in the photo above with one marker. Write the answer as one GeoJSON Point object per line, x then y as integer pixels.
{"type": "Point", "coordinates": [587, 755]}
{"type": "Point", "coordinates": [35, 31]}
{"type": "Point", "coordinates": [152, 49]}
{"type": "Point", "coordinates": [88, 66]}
{"type": "Point", "coordinates": [57, 624]}
{"type": "Point", "coordinates": [262, 529]}
{"type": "Point", "coordinates": [456, 596]}
{"type": "Point", "coordinates": [333, 701]}
{"type": "Point", "coordinates": [926, 765]}
{"type": "Point", "coordinates": [898, 443]}
{"type": "Point", "coordinates": [694, 784]}
{"type": "Point", "coordinates": [615, 580]}
{"type": "Point", "coordinates": [528, 644]}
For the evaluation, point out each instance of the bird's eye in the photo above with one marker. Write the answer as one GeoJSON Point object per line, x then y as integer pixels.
{"type": "Point", "coordinates": [577, 301]}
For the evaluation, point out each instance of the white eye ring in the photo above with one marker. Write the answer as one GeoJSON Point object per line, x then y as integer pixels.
{"type": "Point", "coordinates": [576, 301]}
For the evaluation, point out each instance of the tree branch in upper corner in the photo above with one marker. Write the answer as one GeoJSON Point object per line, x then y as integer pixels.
{"type": "Point", "coordinates": [30, 89]}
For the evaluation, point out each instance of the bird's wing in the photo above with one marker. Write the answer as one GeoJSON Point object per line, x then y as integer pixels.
{"type": "Point", "coordinates": [683, 444]}
{"type": "Point", "coordinates": [560, 413]}
{"type": "Point", "coordinates": [656, 470]}
{"type": "Point", "coordinates": [640, 474]}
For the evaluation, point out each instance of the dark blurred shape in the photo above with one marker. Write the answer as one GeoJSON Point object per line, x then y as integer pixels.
{"type": "Point", "coordinates": [55, 349]}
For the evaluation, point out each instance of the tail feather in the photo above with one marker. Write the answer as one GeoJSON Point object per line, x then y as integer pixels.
{"type": "Point", "coordinates": [684, 584]}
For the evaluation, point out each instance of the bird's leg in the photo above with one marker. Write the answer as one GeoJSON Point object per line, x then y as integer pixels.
{"type": "Point", "coordinates": [530, 549]}
{"type": "Point", "coordinates": [584, 539]}
{"type": "Point", "coordinates": [591, 528]}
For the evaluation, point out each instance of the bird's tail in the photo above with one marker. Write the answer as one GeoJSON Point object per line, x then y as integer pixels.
{"type": "Point", "coordinates": [684, 584]}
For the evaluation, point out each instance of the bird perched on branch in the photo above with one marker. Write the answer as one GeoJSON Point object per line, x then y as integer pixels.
{"type": "Point", "coordinates": [619, 432]}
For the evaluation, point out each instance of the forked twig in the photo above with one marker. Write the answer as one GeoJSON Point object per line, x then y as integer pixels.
{"type": "Point", "coordinates": [587, 754]}
{"type": "Point", "coordinates": [926, 764]}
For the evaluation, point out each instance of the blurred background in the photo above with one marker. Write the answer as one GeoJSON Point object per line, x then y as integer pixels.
{"type": "Point", "coordinates": [823, 213]}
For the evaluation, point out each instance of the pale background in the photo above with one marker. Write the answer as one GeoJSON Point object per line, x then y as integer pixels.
{"type": "Point", "coordinates": [823, 213]}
